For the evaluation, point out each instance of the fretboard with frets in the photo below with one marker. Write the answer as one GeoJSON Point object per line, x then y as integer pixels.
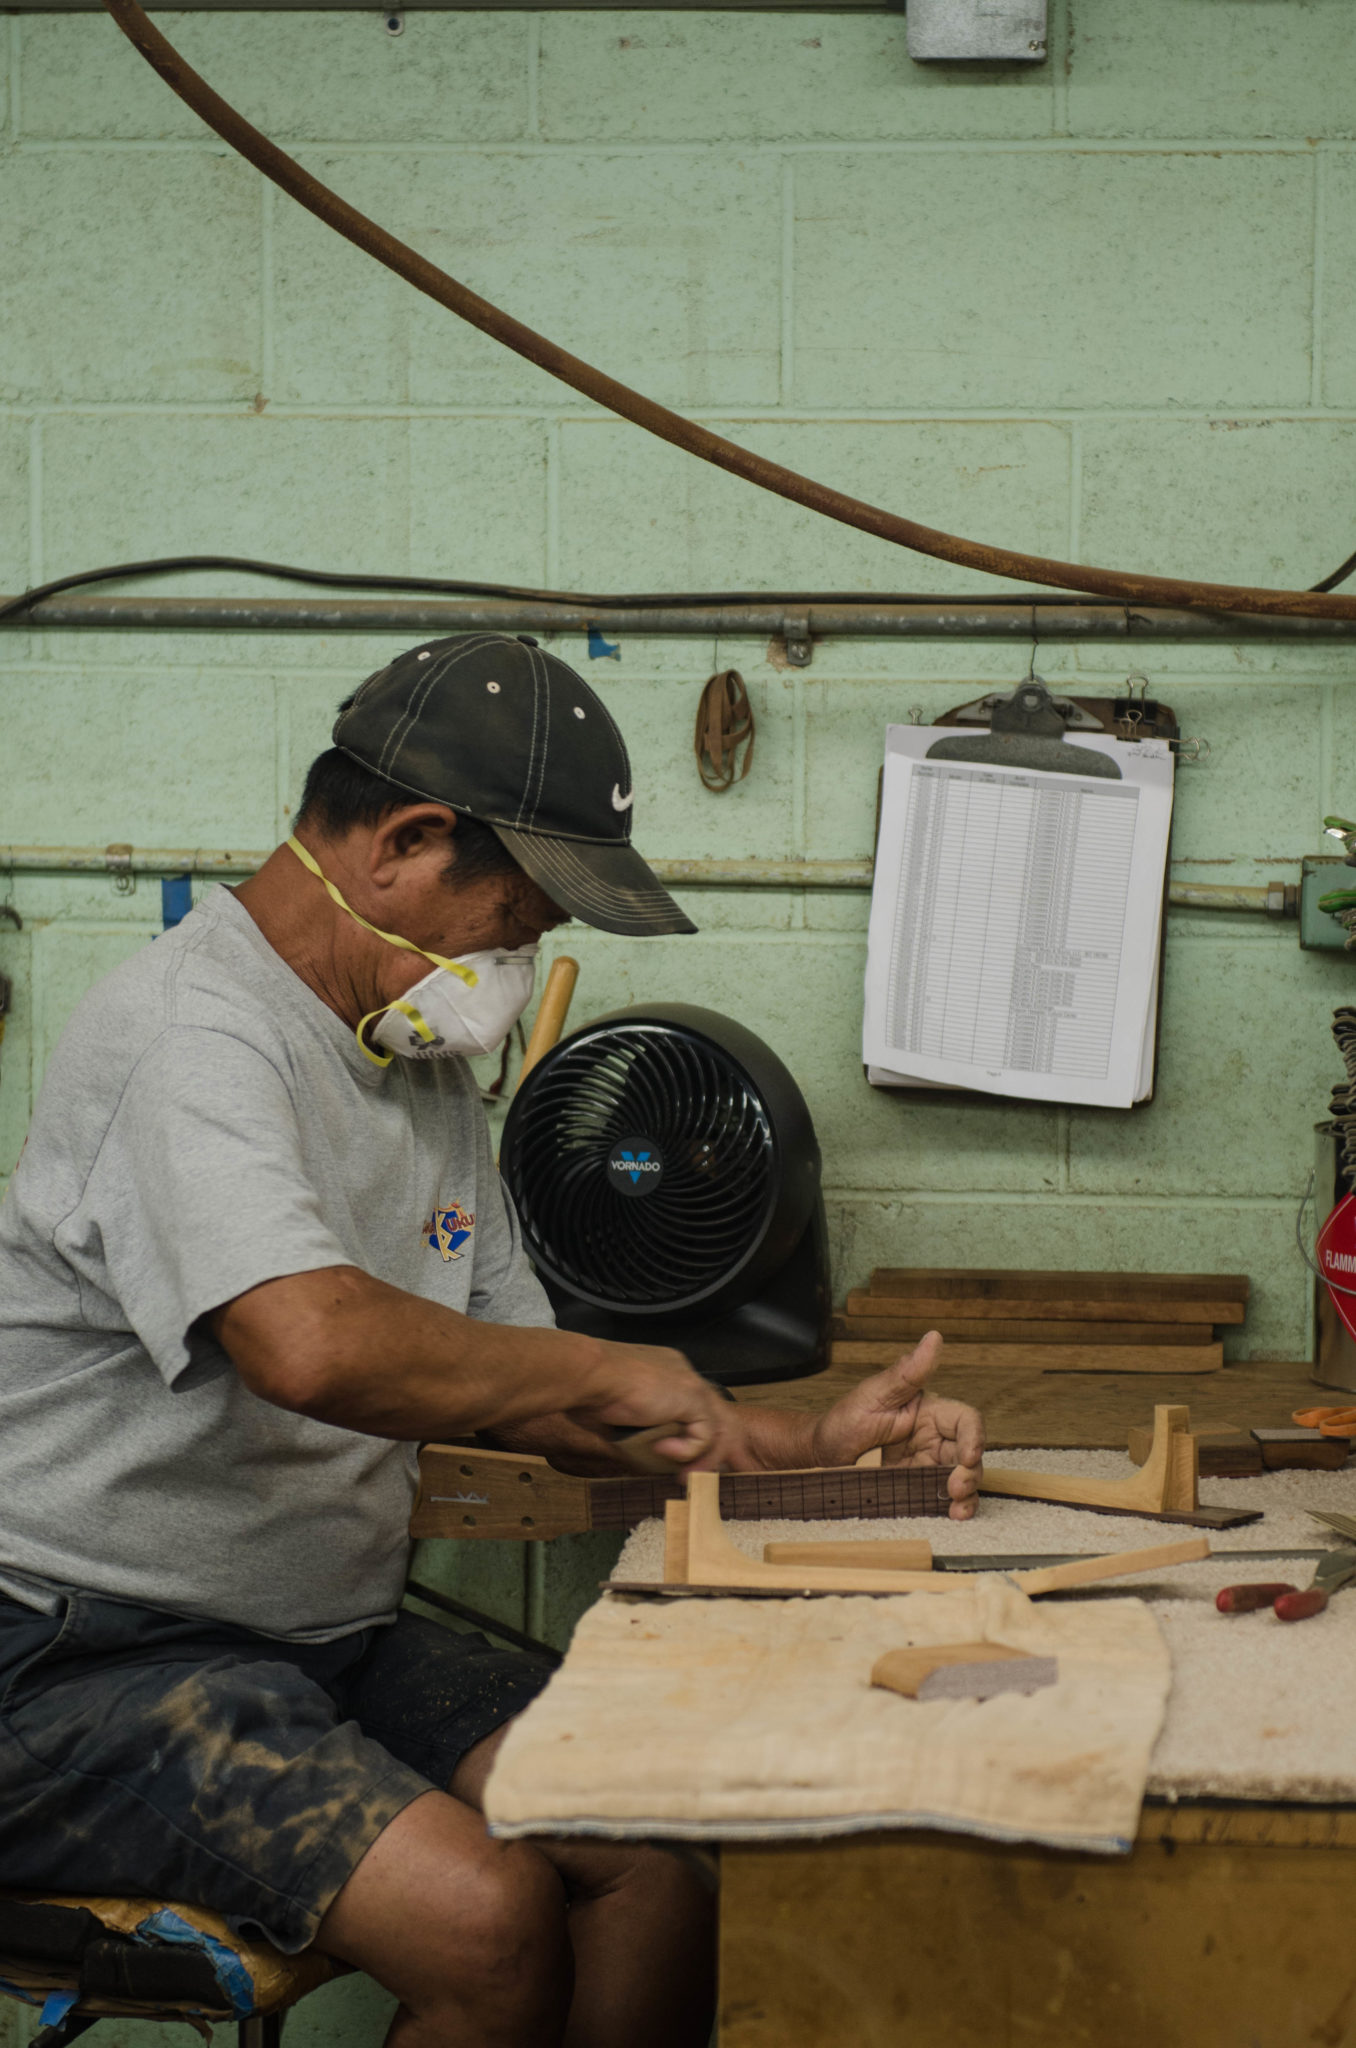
{"type": "Point", "coordinates": [467, 1492]}
{"type": "Point", "coordinates": [833, 1495]}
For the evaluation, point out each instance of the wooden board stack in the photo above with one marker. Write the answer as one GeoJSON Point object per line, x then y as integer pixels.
{"type": "Point", "coordinates": [1046, 1322]}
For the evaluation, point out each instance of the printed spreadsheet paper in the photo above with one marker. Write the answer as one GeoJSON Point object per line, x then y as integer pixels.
{"type": "Point", "coordinates": [1015, 924]}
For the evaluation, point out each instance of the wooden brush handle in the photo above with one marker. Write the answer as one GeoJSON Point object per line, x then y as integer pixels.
{"type": "Point", "coordinates": [552, 1011]}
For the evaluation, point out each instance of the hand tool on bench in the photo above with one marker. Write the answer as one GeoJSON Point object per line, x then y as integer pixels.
{"type": "Point", "coordinates": [1335, 1569]}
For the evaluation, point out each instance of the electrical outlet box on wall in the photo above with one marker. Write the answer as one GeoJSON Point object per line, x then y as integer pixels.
{"type": "Point", "coordinates": [1320, 931]}
{"type": "Point", "coordinates": [1012, 31]}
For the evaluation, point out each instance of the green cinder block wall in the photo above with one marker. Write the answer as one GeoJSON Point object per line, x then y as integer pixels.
{"type": "Point", "coordinates": [1100, 307]}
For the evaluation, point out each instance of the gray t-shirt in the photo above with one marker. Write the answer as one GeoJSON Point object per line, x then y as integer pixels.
{"type": "Point", "coordinates": [206, 1124]}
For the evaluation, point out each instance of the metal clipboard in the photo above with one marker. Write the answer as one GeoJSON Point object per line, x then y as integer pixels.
{"type": "Point", "coordinates": [1031, 728]}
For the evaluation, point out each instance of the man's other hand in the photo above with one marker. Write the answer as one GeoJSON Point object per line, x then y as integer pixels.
{"type": "Point", "coordinates": [911, 1427]}
{"type": "Point", "coordinates": [654, 1386]}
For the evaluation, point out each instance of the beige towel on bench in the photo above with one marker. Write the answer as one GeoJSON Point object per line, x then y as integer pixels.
{"type": "Point", "coordinates": [756, 1720]}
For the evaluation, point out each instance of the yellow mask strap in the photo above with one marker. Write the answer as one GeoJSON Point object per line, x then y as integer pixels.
{"type": "Point", "coordinates": [466, 974]}
{"type": "Point", "coordinates": [422, 1027]}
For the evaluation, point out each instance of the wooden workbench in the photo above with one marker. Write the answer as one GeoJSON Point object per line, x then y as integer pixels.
{"type": "Point", "coordinates": [1226, 1927]}
{"type": "Point", "coordinates": [1085, 1411]}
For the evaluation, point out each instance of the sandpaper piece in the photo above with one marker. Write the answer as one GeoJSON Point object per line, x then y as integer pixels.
{"type": "Point", "coordinates": [962, 1671]}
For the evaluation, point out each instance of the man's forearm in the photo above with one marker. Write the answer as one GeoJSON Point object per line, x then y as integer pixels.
{"type": "Point", "coordinates": [348, 1349]}
{"type": "Point", "coordinates": [777, 1439]}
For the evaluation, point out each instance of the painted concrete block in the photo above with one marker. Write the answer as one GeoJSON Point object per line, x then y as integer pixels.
{"type": "Point", "coordinates": [162, 759]}
{"type": "Point", "coordinates": [845, 724]}
{"type": "Point", "coordinates": [664, 270]}
{"type": "Point", "coordinates": [16, 1043]}
{"type": "Point", "coordinates": [486, 1575]}
{"type": "Point", "coordinates": [1234, 501]}
{"type": "Point", "coordinates": [325, 492]}
{"type": "Point", "coordinates": [675, 817]}
{"type": "Point", "coordinates": [1052, 279]}
{"type": "Point", "coordinates": [129, 275]}
{"type": "Point", "coordinates": [14, 556]}
{"type": "Point", "coordinates": [641, 513]}
{"type": "Point", "coordinates": [1193, 68]}
{"type": "Point", "coordinates": [1336, 339]}
{"type": "Point", "coordinates": [1246, 1060]}
{"type": "Point", "coordinates": [446, 79]}
{"type": "Point", "coordinates": [681, 77]}
{"type": "Point", "coordinates": [564, 1580]}
{"type": "Point", "coordinates": [1258, 794]}
{"type": "Point", "coordinates": [1083, 1234]}
{"type": "Point", "coordinates": [68, 961]}
{"type": "Point", "coordinates": [477, 498]}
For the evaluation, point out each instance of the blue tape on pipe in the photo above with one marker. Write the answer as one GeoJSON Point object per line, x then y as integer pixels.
{"type": "Point", "coordinates": [602, 650]}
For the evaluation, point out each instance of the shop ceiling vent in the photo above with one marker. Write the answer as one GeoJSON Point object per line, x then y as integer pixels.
{"type": "Point", "coordinates": [667, 1176]}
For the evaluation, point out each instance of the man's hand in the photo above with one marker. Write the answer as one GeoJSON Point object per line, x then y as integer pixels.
{"type": "Point", "coordinates": [657, 1386]}
{"type": "Point", "coordinates": [911, 1427]}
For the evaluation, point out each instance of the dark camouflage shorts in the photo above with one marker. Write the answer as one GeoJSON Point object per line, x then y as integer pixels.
{"type": "Point", "coordinates": [145, 1753]}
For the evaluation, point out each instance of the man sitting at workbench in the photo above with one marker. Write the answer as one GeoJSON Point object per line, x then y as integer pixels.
{"type": "Point", "coordinates": [232, 1304]}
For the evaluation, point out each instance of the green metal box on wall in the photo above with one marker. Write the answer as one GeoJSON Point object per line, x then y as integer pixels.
{"type": "Point", "coordinates": [1320, 931]}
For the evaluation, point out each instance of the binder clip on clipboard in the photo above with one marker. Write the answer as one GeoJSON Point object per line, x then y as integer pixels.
{"type": "Point", "coordinates": [1017, 908]}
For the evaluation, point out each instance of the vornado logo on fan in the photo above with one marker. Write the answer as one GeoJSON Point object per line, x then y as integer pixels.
{"type": "Point", "coordinates": [635, 1166]}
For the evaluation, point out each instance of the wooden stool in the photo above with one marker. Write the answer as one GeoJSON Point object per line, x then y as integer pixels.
{"type": "Point", "coordinates": [88, 1959]}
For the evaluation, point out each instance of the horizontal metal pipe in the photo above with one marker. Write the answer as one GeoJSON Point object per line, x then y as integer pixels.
{"type": "Point", "coordinates": [933, 619]}
{"type": "Point", "coordinates": [220, 863]}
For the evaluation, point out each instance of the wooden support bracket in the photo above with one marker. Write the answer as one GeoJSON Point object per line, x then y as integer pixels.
{"type": "Point", "coordinates": [1164, 1484]}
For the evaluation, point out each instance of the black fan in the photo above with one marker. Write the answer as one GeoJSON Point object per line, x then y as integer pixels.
{"type": "Point", "coordinates": [666, 1173]}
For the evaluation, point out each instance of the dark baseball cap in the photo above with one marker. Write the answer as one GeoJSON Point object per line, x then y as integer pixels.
{"type": "Point", "coordinates": [502, 731]}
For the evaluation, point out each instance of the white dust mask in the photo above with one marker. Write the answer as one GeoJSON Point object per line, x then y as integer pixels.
{"type": "Point", "coordinates": [442, 1015]}
{"type": "Point", "coordinates": [466, 1006]}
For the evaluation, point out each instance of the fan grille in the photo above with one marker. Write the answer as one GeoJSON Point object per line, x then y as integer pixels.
{"type": "Point", "coordinates": [706, 1211]}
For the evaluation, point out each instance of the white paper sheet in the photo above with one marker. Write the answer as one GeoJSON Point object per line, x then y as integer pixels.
{"type": "Point", "coordinates": [1014, 936]}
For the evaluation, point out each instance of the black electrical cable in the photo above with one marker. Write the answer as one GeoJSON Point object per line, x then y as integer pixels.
{"type": "Point", "coordinates": [1338, 575]}
{"type": "Point", "coordinates": [169, 565]}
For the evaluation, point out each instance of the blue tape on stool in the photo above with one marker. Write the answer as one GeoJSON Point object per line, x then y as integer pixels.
{"type": "Point", "coordinates": [234, 1979]}
{"type": "Point", "coordinates": [57, 2005]}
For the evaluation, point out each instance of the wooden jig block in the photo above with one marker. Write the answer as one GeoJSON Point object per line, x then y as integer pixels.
{"type": "Point", "coordinates": [974, 1671]}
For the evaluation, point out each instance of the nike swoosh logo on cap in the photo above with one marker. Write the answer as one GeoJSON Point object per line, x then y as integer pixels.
{"type": "Point", "coordinates": [620, 802]}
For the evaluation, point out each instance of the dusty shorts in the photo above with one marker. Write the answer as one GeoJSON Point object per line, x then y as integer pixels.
{"type": "Point", "coordinates": [147, 1753]}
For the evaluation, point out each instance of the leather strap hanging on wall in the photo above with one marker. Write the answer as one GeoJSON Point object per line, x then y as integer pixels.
{"type": "Point", "coordinates": [378, 242]}
{"type": "Point", "coordinates": [724, 725]}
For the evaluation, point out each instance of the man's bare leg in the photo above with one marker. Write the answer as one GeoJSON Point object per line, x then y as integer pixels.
{"type": "Point", "coordinates": [469, 1934]}
{"type": "Point", "coordinates": [642, 1928]}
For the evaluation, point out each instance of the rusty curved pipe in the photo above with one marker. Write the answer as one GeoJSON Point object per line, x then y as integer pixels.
{"type": "Point", "coordinates": [657, 419]}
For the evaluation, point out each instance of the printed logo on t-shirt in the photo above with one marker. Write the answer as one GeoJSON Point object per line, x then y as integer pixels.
{"type": "Point", "coordinates": [448, 1229]}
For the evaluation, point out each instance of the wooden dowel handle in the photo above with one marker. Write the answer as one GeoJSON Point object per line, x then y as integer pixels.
{"type": "Point", "coordinates": [552, 1011]}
